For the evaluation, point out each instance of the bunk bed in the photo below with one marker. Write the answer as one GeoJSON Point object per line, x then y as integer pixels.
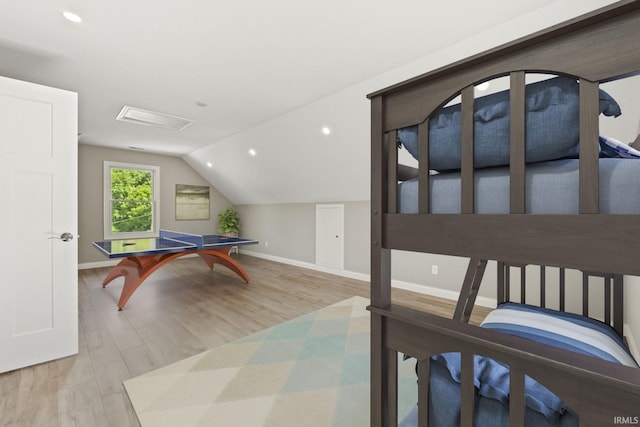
{"type": "Point", "coordinates": [498, 218]}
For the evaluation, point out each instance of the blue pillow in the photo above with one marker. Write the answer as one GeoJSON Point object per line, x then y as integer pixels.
{"type": "Point", "coordinates": [552, 126]}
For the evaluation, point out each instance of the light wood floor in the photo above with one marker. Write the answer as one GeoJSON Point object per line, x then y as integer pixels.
{"type": "Point", "coordinates": [181, 310]}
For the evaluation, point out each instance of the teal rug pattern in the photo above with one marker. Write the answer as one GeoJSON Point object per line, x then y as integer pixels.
{"type": "Point", "coordinates": [309, 371]}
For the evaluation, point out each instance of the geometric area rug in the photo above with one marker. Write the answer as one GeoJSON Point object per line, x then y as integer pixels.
{"type": "Point", "coordinates": [309, 371]}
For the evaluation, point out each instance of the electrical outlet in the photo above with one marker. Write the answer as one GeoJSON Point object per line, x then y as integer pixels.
{"type": "Point", "coordinates": [266, 244]}
{"type": "Point", "coordinates": [434, 270]}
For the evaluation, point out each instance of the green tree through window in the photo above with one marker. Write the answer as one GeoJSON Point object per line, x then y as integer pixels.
{"type": "Point", "coordinates": [132, 200]}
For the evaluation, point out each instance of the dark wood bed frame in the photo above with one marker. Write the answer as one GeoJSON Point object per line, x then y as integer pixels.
{"type": "Point", "coordinates": [595, 48]}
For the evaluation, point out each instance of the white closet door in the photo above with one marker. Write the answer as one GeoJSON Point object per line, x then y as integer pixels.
{"type": "Point", "coordinates": [330, 236]}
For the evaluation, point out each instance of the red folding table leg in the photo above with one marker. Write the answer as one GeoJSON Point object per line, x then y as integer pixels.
{"type": "Point", "coordinates": [135, 270]}
{"type": "Point", "coordinates": [221, 256]}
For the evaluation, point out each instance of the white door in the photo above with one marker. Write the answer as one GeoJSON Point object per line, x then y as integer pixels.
{"type": "Point", "coordinates": [330, 236]}
{"type": "Point", "coordinates": [38, 189]}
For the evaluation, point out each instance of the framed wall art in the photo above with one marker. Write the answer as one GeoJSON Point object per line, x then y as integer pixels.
{"type": "Point", "coordinates": [192, 202]}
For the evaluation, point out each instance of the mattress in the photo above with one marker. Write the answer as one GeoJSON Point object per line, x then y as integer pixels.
{"type": "Point", "coordinates": [551, 188]}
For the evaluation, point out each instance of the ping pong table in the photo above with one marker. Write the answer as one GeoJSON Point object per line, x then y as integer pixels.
{"type": "Point", "coordinates": [141, 257]}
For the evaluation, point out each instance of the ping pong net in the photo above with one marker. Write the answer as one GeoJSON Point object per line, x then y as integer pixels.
{"type": "Point", "coordinates": [201, 241]}
{"type": "Point", "coordinates": [176, 236]}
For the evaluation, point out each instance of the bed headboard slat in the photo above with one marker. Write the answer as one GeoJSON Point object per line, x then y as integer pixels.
{"type": "Point", "coordinates": [563, 290]}
{"type": "Point", "coordinates": [618, 304]}
{"type": "Point", "coordinates": [607, 300]}
{"type": "Point", "coordinates": [424, 368]}
{"type": "Point", "coordinates": [517, 195]}
{"type": "Point", "coordinates": [501, 286]}
{"type": "Point", "coordinates": [523, 284]}
{"type": "Point", "coordinates": [543, 286]}
{"type": "Point", "coordinates": [423, 171]}
{"type": "Point", "coordinates": [516, 397]}
{"type": "Point", "coordinates": [467, 392]}
{"type": "Point", "coordinates": [589, 130]}
{"type": "Point", "coordinates": [585, 294]}
{"type": "Point", "coordinates": [507, 284]}
{"type": "Point", "coordinates": [392, 168]}
{"type": "Point", "coordinates": [466, 152]}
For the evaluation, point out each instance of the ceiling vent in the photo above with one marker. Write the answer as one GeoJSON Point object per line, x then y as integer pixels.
{"type": "Point", "coordinates": [152, 118]}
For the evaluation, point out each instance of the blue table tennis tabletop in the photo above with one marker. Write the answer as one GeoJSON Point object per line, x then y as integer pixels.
{"type": "Point", "coordinates": [168, 242]}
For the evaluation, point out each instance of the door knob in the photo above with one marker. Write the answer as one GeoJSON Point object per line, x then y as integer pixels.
{"type": "Point", "coordinates": [65, 237]}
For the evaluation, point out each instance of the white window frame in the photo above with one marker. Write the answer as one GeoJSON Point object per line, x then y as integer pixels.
{"type": "Point", "coordinates": [155, 202]}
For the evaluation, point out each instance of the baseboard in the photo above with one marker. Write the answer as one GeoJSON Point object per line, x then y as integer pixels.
{"type": "Point", "coordinates": [308, 265]}
{"type": "Point", "coordinates": [99, 264]}
{"type": "Point", "coordinates": [414, 287]}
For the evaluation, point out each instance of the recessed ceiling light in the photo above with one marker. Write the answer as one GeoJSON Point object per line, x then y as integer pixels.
{"type": "Point", "coordinates": [209, 164]}
{"type": "Point", "coordinates": [252, 152]}
{"type": "Point", "coordinates": [483, 86]}
{"type": "Point", "coordinates": [71, 16]}
{"type": "Point", "coordinates": [326, 130]}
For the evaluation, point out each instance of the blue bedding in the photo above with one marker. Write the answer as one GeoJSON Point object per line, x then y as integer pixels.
{"type": "Point", "coordinates": [444, 407]}
{"type": "Point", "coordinates": [491, 378]}
{"type": "Point", "coordinates": [552, 126]}
{"type": "Point", "coordinates": [550, 188]}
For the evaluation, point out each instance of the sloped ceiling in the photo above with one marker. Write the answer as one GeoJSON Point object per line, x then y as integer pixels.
{"type": "Point", "coordinates": [270, 74]}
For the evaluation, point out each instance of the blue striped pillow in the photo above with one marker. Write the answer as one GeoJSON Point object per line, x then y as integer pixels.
{"type": "Point", "coordinates": [559, 329]}
{"type": "Point", "coordinates": [610, 147]}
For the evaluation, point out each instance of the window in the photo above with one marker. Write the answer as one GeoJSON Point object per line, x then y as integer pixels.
{"type": "Point", "coordinates": [131, 200]}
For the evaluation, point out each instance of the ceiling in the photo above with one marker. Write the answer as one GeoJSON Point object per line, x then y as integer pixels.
{"type": "Point", "coordinates": [248, 61]}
